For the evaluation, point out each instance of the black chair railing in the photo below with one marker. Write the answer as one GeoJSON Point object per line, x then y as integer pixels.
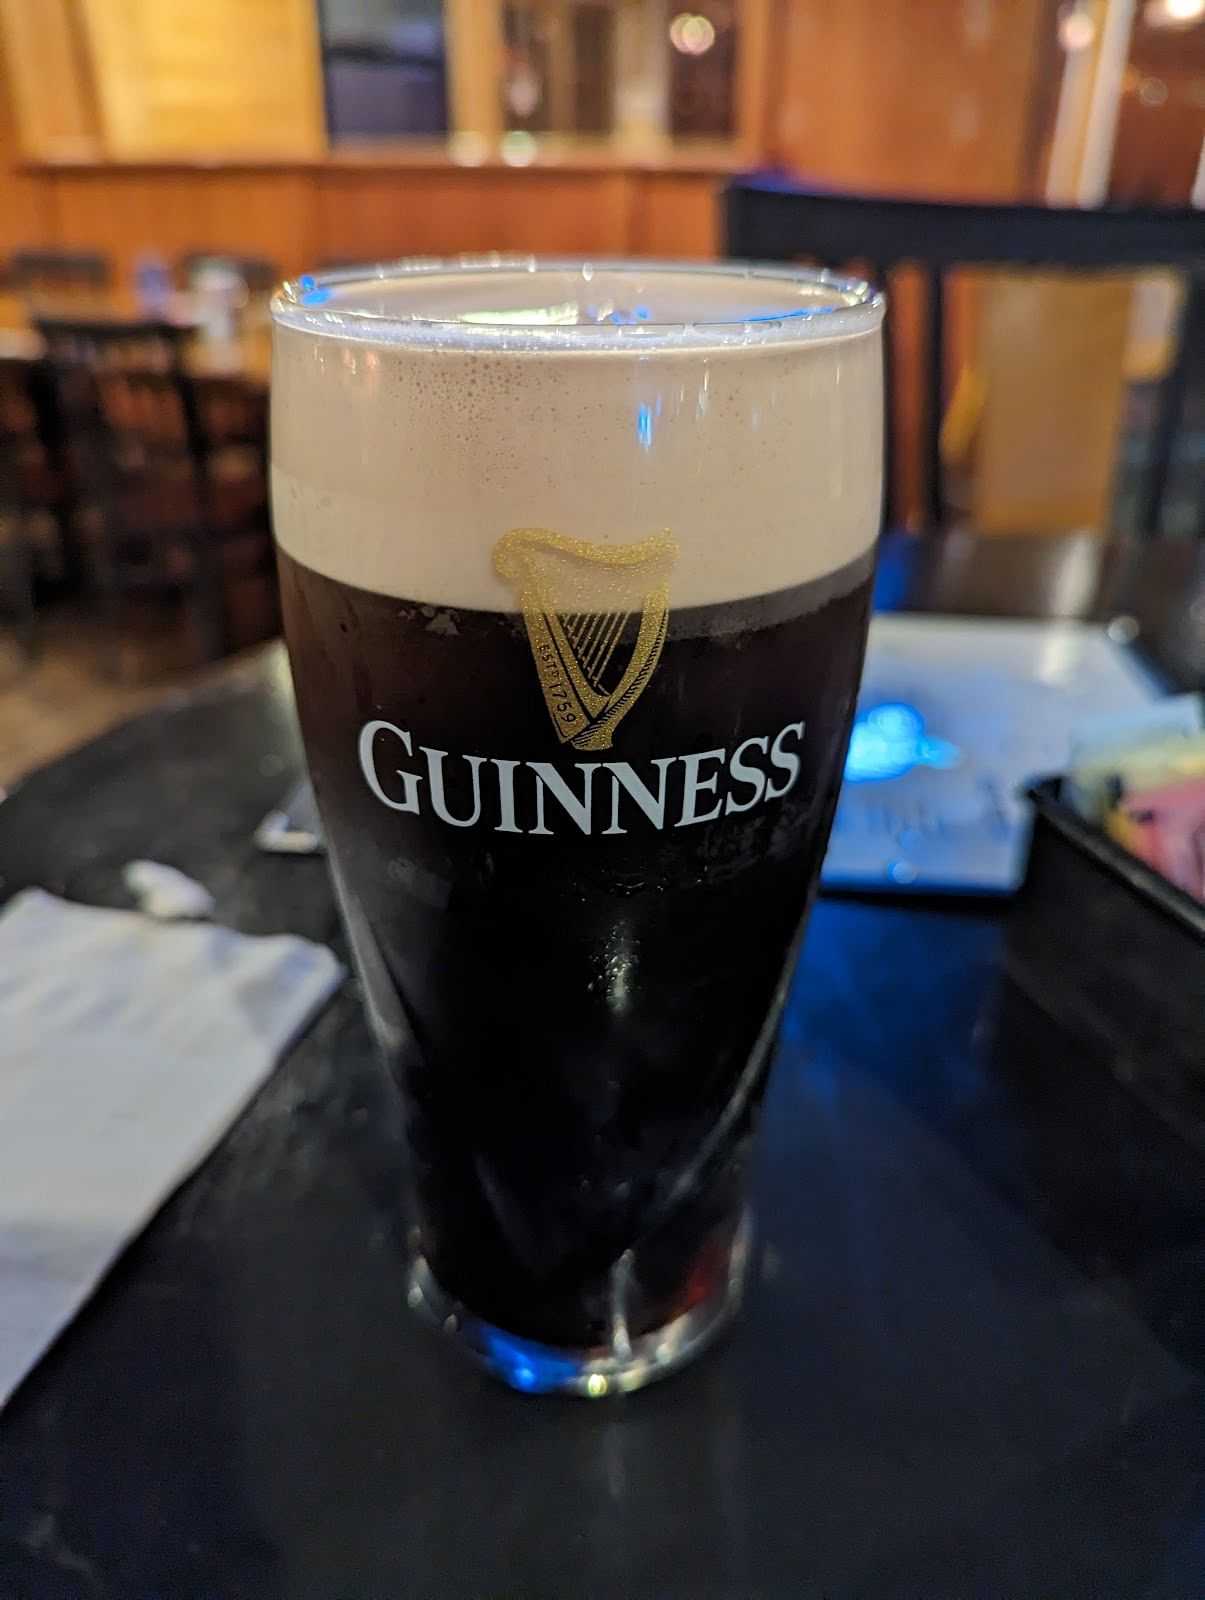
{"type": "Point", "coordinates": [770, 218]}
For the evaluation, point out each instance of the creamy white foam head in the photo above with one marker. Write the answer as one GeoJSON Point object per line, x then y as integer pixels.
{"type": "Point", "coordinates": [420, 414]}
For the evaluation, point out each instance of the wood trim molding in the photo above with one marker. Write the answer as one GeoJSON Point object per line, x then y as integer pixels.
{"type": "Point", "coordinates": [550, 154]}
{"type": "Point", "coordinates": [473, 30]}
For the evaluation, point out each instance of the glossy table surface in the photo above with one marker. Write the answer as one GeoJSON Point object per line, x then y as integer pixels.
{"type": "Point", "coordinates": [970, 1365]}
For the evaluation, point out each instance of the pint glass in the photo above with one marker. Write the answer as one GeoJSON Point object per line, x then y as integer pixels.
{"type": "Point", "coordinates": [576, 566]}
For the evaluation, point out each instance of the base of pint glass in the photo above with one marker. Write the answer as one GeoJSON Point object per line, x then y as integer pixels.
{"type": "Point", "coordinates": [619, 1367]}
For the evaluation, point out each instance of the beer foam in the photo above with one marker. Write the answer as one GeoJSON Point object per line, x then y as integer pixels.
{"type": "Point", "coordinates": [419, 417]}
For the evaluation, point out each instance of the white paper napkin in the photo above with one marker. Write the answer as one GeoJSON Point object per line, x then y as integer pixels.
{"type": "Point", "coordinates": [127, 1048]}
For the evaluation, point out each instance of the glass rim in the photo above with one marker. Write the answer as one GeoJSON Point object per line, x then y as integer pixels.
{"type": "Point", "coordinates": [304, 304]}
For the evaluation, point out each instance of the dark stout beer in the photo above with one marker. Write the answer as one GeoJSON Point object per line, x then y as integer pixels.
{"type": "Point", "coordinates": [576, 635]}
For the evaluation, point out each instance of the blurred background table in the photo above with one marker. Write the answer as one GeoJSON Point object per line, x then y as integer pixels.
{"type": "Point", "coordinates": [247, 355]}
{"type": "Point", "coordinates": [971, 1363]}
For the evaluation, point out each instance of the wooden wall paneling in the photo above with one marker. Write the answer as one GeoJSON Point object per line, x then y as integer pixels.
{"type": "Point", "coordinates": [108, 210]}
{"type": "Point", "coordinates": [300, 216]}
{"type": "Point", "coordinates": [906, 328]}
{"type": "Point", "coordinates": [359, 217]}
{"type": "Point", "coordinates": [1161, 122]}
{"type": "Point", "coordinates": [117, 44]}
{"type": "Point", "coordinates": [173, 210]}
{"type": "Point", "coordinates": [374, 216]}
{"type": "Point", "coordinates": [132, 212]}
{"type": "Point", "coordinates": [757, 77]}
{"type": "Point", "coordinates": [560, 213]}
{"type": "Point", "coordinates": [675, 215]}
{"type": "Point", "coordinates": [549, 213]}
{"type": "Point", "coordinates": [892, 96]}
{"type": "Point", "coordinates": [175, 76]}
{"type": "Point", "coordinates": [26, 217]}
{"type": "Point", "coordinates": [263, 213]}
{"type": "Point", "coordinates": [47, 81]}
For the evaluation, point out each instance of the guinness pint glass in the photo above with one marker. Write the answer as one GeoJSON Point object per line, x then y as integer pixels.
{"type": "Point", "coordinates": [576, 566]}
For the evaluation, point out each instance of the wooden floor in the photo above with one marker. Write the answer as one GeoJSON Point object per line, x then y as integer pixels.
{"type": "Point", "coordinates": [83, 678]}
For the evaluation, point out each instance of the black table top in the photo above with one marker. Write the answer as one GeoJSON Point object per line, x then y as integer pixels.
{"type": "Point", "coordinates": [970, 1364]}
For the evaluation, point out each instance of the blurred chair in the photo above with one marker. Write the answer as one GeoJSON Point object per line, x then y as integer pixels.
{"type": "Point", "coordinates": [258, 274]}
{"type": "Point", "coordinates": [158, 494]}
{"type": "Point", "coordinates": [59, 274]}
{"type": "Point", "coordinates": [33, 492]}
{"type": "Point", "coordinates": [233, 417]}
{"type": "Point", "coordinates": [18, 442]}
{"type": "Point", "coordinates": [772, 219]}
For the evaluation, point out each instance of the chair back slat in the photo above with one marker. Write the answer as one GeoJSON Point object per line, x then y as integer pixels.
{"type": "Point", "coordinates": [123, 389]}
{"type": "Point", "coordinates": [1170, 410]}
{"type": "Point", "coordinates": [232, 412]}
{"type": "Point", "coordinates": [130, 416]}
{"type": "Point", "coordinates": [30, 439]}
{"type": "Point", "coordinates": [935, 347]}
{"type": "Point", "coordinates": [29, 484]}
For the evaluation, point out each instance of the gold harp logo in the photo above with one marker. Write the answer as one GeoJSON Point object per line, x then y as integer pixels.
{"type": "Point", "coordinates": [581, 603]}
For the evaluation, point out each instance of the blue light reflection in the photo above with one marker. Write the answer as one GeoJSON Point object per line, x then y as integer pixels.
{"type": "Point", "coordinates": [789, 315]}
{"type": "Point", "coordinates": [889, 740]}
{"type": "Point", "coordinates": [646, 419]}
{"type": "Point", "coordinates": [526, 1365]}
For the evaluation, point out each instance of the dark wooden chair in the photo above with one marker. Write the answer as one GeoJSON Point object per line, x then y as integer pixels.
{"type": "Point", "coordinates": [141, 461]}
{"type": "Point", "coordinates": [59, 274]}
{"type": "Point", "coordinates": [233, 418]}
{"type": "Point", "coordinates": [18, 445]}
{"type": "Point", "coordinates": [260, 275]}
{"type": "Point", "coordinates": [34, 493]}
{"type": "Point", "coordinates": [770, 218]}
